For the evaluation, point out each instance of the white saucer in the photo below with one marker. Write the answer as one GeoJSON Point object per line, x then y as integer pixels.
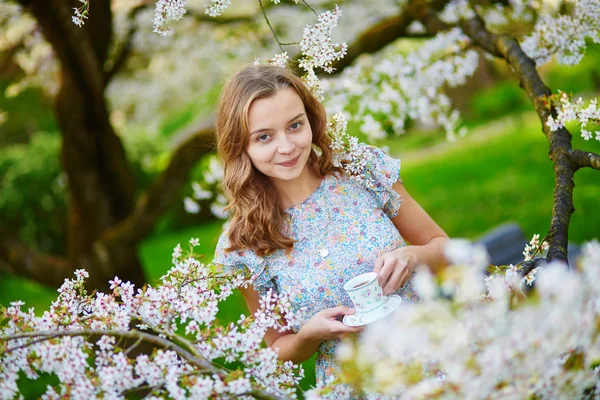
{"type": "Point", "coordinates": [391, 302]}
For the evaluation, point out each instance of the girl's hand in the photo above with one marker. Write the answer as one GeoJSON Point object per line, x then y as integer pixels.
{"type": "Point", "coordinates": [395, 268]}
{"type": "Point", "coordinates": [325, 326]}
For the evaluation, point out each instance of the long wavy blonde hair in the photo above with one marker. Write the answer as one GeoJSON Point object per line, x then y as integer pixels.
{"type": "Point", "coordinates": [256, 214]}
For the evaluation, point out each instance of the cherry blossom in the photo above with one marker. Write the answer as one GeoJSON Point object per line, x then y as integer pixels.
{"type": "Point", "coordinates": [497, 345]}
{"type": "Point", "coordinates": [568, 111]}
{"type": "Point", "coordinates": [60, 341]}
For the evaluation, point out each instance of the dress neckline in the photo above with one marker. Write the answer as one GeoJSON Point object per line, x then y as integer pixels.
{"type": "Point", "coordinates": [310, 196]}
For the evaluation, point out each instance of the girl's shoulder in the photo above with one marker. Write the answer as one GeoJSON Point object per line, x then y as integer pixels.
{"type": "Point", "coordinates": [224, 256]}
{"type": "Point", "coordinates": [377, 172]}
{"type": "Point", "coordinates": [242, 261]}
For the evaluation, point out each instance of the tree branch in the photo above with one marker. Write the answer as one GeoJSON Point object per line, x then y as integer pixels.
{"type": "Point", "coordinates": [309, 7]}
{"type": "Point", "coordinates": [530, 265]}
{"type": "Point", "coordinates": [18, 259]}
{"type": "Point", "coordinates": [585, 159]}
{"type": "Point", "coordinates": [113, 66]}
{"type": "Point", "coordinates": [387, 31]}
{"type": "Point", "coordinates": [506, 47]}
{"type": "Point", "coordinates": [264, 13]}
{"type": "Point", "coordinates": [199, 362]}
{"type": "Point", "coordinates": [163, 191]}
{"type": "Point", "coordinates": [220, 20]}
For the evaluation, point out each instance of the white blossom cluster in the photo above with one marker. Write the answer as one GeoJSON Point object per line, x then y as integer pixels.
{"type": "Point", "coordinates": [208, 188]}
{"type": "Point", "coordinates": [181, 310]}
{"type": "Point", "coordinates": [348, 153]}
{"type": "Point", "coordinates": [534, 247]}
{"type": "Point", "coordinates": [280, 60]}
{"type": "Point", "coordinates": [318, 49]}
{"type": "Point", "coordinates": [564, 35]}
{"type": "Point", "coordinates": [493, 341]}
{"type": "Point", "coordinates": [217, 7]}
{"type": "Point", "coordinates": [499, 16]}
{"type": "Point", "coordinates": [331, 389]}
{"type": "Point", "coordinates": [167, 10]}
{"type": "Point", "coordinates": [456, 10]}
{"type": "Point", "coordinates": [568, 111]}
{"type": "Point", "coordinates": [386, 91]}
{"type": "Point", "coordinates": [81, 13]}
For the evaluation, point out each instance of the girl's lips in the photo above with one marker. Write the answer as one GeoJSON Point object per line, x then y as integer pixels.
{"type": "Point", "coordinates": [290, 163]}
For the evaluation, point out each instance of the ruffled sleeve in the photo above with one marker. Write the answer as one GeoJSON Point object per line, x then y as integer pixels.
{"type": "Point", "coordinates": [380, 173]}
{"type": "Point", "coordinates": [242, 261]}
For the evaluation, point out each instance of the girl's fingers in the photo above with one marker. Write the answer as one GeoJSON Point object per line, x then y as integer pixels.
{"type": "Point", "coordinates": [386, 271]}
{"type": "Point", "coordinates": [345, 329]}
{"type": "Point", "coordinates": [405, 276]}
{"type": "Point", "coordinates": [393, 283]}
{"type": "Point", "coordinates": [397, 279]}
{"type": "Point", "coordinates": [378, 264]}
{"type": "Point", "coordinates": [355, 329]}
{"type": "Point", "coordinates": [337, 311]}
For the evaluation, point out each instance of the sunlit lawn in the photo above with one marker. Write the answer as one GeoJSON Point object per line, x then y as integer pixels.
{"type": "Point", "coordinates": [467, 187]}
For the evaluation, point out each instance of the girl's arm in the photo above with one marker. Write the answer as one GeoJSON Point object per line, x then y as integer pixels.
{"type": "Point", "coordinates": [299, 347]}
{"type": "Point", "coordinates": [426, 238]}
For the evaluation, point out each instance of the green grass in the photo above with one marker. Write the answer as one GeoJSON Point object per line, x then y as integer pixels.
{"type": "Point", "coordinates": [476, 185]}
{"type": "Point", "coordinates": [468, 187]}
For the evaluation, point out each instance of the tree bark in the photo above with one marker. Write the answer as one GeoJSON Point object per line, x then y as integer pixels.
{"type": "Point", "coordinates": [506, 47]}
{"type": "Point", "coordinates": [585, 159]}
{"type": "Point", "coordinates": [100, 180]}
{"type": "Point", "coordinates": [105, 223]}
{"type": "Point", "coordinates": [18, 259]}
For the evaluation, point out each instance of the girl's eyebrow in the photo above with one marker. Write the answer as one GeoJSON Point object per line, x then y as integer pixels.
{"type": "Point", "coordinates": [266, 129]}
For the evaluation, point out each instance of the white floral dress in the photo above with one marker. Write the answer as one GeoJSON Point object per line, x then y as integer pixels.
{"type": "Point", "coordinates": [350, 219]}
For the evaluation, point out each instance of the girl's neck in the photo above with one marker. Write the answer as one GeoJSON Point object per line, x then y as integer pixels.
{"type": "Point", "coordinates": [294, 192]}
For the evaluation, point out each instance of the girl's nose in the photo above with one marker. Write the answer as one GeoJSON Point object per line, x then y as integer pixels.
{"type": "Point", "coordinates": [286, 146]}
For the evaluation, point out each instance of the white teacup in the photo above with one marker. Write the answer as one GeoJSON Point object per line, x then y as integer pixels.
{"type": "Point", "coordinates": [365, 293]}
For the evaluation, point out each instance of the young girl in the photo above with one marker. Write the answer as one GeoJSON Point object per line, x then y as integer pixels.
{"type": "Point", "coordinates": [303, 226]}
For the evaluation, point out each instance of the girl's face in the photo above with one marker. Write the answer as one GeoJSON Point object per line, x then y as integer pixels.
{"type": "Point", "coordinates": [280, 135]}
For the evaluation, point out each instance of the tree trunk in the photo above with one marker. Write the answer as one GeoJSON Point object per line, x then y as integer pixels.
{"type": "Point", "coordinates": [100, 180]}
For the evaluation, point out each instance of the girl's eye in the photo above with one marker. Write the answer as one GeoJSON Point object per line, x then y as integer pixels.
{"type": "Point", "coordinates": [262, 138]}
{"type": "Point", "coordinates": [295, 125]}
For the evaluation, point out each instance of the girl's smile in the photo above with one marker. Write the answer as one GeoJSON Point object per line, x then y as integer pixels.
{"type": "Point", "coordinates": [291, 163]}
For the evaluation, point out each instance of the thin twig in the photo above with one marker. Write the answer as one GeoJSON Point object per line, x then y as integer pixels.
{"type": "Point", "coordinates": [202, 364]}
{"type": "Point", "coordinates": [123, 53]}
{"type": "Point", "coordinates": [136, 344]}
{"type": "Point", "coordinates": [538, 248]}
{"type": "Point", "coordinates": [173, 336]}
{"type": "Point", "coordinates": [138, 389]}
{"type": "Point", "coordinates": [530, 265]}
{"type": "Point", "coordinates": [271, 27]}
{"type": "Point", "coordinates": [311, 9]}
{"type": "Point", "coordinates": [43, 336]}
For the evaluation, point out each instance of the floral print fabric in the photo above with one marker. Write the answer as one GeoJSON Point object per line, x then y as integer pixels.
{"type": "Point", "coordinates": [340, 229]}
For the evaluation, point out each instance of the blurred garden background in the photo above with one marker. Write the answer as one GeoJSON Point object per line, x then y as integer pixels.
{"type": "Point", "coordinates": [498, 172]}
